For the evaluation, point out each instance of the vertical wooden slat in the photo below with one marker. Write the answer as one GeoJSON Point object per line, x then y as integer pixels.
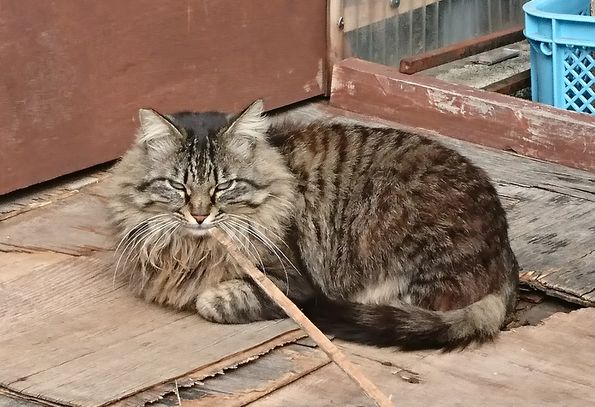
{"type": "Point", "coordinates": [335, 37]}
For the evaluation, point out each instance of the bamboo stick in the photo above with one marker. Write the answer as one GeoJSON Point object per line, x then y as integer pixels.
{"type": "Point", "coordinates": [294, 313]}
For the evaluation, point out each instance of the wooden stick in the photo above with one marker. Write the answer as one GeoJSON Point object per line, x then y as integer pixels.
{"type": "Point", "coordinates": [294, 313]}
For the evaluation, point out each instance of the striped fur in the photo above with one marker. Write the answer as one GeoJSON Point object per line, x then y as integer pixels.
{"type": "Point", "coordinates": [382, 236]}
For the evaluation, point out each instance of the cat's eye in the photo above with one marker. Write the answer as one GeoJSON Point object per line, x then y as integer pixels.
{"type": "Point", "coordinates": [177, 185]}
{"type": "Point", "coordinates": [225, 185]}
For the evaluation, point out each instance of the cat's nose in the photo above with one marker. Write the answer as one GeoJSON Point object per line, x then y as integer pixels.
{"type": "Point", "coordinates": [200, 218]}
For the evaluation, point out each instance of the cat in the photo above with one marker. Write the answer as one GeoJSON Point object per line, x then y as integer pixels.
{"type": "Point", "coordinates": [381, 236]}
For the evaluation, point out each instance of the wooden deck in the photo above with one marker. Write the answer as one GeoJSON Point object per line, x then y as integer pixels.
{"type": "Point", "coordinates": [71, 337]}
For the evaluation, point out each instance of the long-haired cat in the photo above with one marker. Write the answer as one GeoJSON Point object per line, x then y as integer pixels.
{"type": "Point", "coordinates": [382, 236]}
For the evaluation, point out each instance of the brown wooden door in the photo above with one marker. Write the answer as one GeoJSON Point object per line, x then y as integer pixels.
{"type": "Point", "coordinates": [74, 72]}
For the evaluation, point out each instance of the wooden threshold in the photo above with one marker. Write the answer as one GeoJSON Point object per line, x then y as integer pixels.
{"type": "Point", "coordinates": [474, 115]}
{"type": "Point", "coordinates": [461, 49]}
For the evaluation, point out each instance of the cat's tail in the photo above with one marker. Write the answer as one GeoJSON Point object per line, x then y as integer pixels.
{"type": "Point", "coordinates": [409, 327]}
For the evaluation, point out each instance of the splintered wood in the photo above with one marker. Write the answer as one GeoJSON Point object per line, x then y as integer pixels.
{"type": "Point", "coordinates": [299, 318]}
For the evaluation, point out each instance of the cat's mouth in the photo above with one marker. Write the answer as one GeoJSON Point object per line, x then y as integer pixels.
{"type": "Point", "coordinates": [194, 226]}
{"type": "Point", "coordinates": [196, 229]}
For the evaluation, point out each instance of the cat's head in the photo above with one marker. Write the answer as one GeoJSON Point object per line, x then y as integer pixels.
{"type": "Point", "coordinates": [189, 172]}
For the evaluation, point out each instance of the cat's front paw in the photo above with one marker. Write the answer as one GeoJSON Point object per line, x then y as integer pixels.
{"type": "Point", "coordinates": [214, 307]}
{"type": "Point", "coordinates": [231, 302]}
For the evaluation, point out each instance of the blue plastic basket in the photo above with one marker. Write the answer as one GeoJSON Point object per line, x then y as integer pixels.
{"type": "Point", "coordinates": [562, 37]}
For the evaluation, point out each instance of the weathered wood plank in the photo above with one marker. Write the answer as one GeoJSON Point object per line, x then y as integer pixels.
{"type": "Point", "coordinates": [49, 192]}
{"type": "Point", "coordinates": [553, 237]}
{"type": "Point", "coordinates": [270, 372]}
{"type": "Point", "coordinates": [195, 378]}
{"type": "Point", "coordinates": [69, 335]}
{"type": "Point", "coordinates": [15, 401]}
{"type": "Point", "coordinates": [485, 118]}
{"type": "Point", "coordinates": [16, 264]}
{"type": "Point", "coordinates": [548, 365]}
{"type": "Point", "coordinates": [335, 39]}
{"type": "Point", "coordinates": [77, 226]}
{"type": "Point", "coordinates": [253, 380]}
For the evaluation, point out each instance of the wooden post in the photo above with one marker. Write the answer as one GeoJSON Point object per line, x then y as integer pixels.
{"type": "Point", "coordinates": [593, 8]}
{"type": "Point", "coordinates": [294, 313]}
{"type": "Point", "coordinates": [335, 38]}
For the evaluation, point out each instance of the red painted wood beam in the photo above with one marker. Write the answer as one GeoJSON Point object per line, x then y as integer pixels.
{"type": "Point", "coordinates": [461, 112]}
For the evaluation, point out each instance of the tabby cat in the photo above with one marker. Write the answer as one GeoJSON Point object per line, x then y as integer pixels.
{"type": "Point", "coordinates": [382, 236]}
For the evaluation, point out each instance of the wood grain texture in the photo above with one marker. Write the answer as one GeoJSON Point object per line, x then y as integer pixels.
{"type": "Point", "coordinates": [71, 336]}
{"type": "Point", "coordinates": [49, 192]}
{"type": "Point", "coordinates": [551, 209]}
{"type": "Point", "coordinates": [8, 399]}
{"type": "Point", "coordinates": [195, 378]}
{"type": "Point", "coordinates": [76, 226]}
{"type": "Point", "coordinates": [548, 365]}
{"type": "Point", "coordinates": [485, 118]}
{"type": "Point", "coordinates": [553, 236]}
{"type": "Point", "coordinates": [75, 72]}
{"type": "Point", "coordinates": [253, 380]}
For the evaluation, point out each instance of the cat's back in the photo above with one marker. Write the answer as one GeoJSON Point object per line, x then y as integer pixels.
{"type": "Point", "coordinates": [322, 149]}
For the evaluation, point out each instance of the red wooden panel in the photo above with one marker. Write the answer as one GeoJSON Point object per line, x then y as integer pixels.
{"type": "Point", "coordinates": [75, 72]}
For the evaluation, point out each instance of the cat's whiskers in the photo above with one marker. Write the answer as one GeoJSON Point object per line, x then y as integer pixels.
{"type": "Point", "coordinates": [146, 234]}
{"type": "Point", "coordinates": [253, 222]}
{"type": "Point", "coordinates": [236, 230]}
{"type": "Point", "coordinates": [166, 234]}
{"type": "Point", "coordinates": [144, 248]}
{"type": "Point", "coordinates": [133, 239]}
{"type": "Point", "coordinates": [269, 244]}
{"type": "Point", "coordinates": [147, 231]}
{"type": "Point", "coordinates": [131, 252]}
{"type": "Point", "coordinates": [253, 225]}
{"type": "Point", "coordinates": [143, 223]}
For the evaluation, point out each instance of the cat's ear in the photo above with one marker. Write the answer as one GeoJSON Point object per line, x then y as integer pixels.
{"type": "Point", "coordinates": [251, 125]}
{"type": "Point", "coordinates": [157, 134]}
